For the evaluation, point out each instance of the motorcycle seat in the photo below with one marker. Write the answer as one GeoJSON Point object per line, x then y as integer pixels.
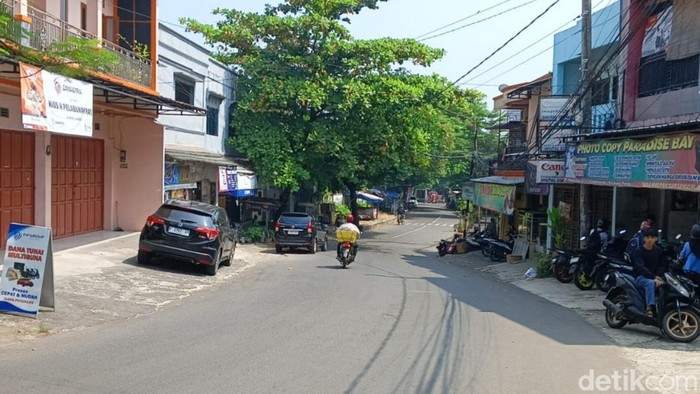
{"type": "Point", "coordinates": [612, 259]}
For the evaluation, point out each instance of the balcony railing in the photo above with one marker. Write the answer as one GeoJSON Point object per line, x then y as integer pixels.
{"type": "Point", "coordinates": [46, 29]}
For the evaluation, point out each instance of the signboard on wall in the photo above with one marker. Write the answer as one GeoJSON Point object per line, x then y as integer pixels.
{"type": "Point", "coordinates": [227, 179]}
{"type": "Point", "coordinates": [549, 171]}
{"type": "Point", "coordinates": [27, 273]}
{"type": "Point", "coordinates": [512, 115]}
{"type": "Point", "coordinates": [554, 109]}
{"type": "Point", "coordinates": [531, 185]}
{"type": "Point", "coordinates": [499, 198]}
{"type": "Point", "coordinates": [663, 162]}
{"type": "Point", "coordinates": [553, 140]}
{"type": "Point", "coordinates": [172, 174]}
{"type": "Point", "coordinates": [55, 103]}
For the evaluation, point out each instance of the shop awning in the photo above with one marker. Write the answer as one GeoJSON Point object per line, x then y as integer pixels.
{"type": "Point", "coordinates": [501, 180]}
{"type": "Point", "coordinates": [205, 157]}
{"type": "Point", "coordinates": [369, 198]}
{"type": "Point", "coordinates": [388, 194]}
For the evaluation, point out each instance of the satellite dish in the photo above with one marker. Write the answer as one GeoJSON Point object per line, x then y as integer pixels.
{"type": "Point", "coordinates": [502, 87]}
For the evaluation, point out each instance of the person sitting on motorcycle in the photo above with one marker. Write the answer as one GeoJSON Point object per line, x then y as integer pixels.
{"type": "Point", "coordinates": [648, 268]}
{"type": "Point", "coordinates": [349, 225]}
{"type": "Point", "coordinates": [690, 255]}
{"type": "Point", "coordinates": [598, 237]}
{"type": "Point", "coordinates": [491, 231]}
{"type": "Point", "coordinates": [638, 238]}
{"type": "Point", "coordinates": [401, 211]}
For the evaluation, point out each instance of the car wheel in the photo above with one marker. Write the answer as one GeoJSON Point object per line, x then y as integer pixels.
{"type": "Point", "coordinates": [212, 269]}
{"type": "Point", "coordinates": [229, 260]}
{"type": "Point", "coordinates": [324, 245]}
{"type": "Point", "coordinates": [143, 257]}
{"type": "Point", "coordinates": [314, 246]}
{"type": "Point", "coordinates": [278, 248]}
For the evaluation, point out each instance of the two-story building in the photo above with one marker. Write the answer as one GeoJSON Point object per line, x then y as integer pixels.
{"type": "Point", "coordinates": [102, 169]}
{"type": "Point", "coordinates": [196, 149]}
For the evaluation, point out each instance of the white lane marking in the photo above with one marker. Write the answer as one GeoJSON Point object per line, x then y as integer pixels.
{"type": "Point", "coordinates": [418, 229]}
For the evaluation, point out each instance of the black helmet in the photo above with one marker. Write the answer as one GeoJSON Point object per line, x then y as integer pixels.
{"type": "Point", "coordinates": [602, 223]}
{"type": "Point", "coordinates": [695, 231]}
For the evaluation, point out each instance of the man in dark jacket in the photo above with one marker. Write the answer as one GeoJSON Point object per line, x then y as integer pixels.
{"type": "Point", "coordinates": [648, 268]}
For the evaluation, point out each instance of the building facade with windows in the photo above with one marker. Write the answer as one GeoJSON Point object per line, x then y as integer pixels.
{"type": "Point", "coordinates": [105, 171]}
{"type": "Point", "coordinates": [196, 160]}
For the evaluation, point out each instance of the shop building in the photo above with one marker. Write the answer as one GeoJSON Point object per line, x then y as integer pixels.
{"type": "Point", "coordinates": [104, 172]}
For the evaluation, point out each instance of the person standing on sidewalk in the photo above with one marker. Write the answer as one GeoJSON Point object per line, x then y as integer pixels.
{"type": "Point", "coordinates": [647, 268]}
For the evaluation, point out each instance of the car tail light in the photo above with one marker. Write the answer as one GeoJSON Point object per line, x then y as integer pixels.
{"type": "Point", "coordinates": [310, 227]}
{"type": "Point", "coordinates": [347, 245]}
{"type": "Point", "coordinates": [277, 226]}
{"type": "Point", "coordinates": [210, 233]}
{"type": "Point", "coordinates": [154, 220]}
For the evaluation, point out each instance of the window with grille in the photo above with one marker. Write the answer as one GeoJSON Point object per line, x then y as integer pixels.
{"type": "Point", "coordinates": [657, 75]}
{"type": "Point", "coordinates": [184, 91]}
{"type": "Point", "coordinates": [212, 121]}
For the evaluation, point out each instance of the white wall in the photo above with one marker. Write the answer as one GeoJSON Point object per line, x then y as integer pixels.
{"type": "Point", "coordinates": [213, 80]}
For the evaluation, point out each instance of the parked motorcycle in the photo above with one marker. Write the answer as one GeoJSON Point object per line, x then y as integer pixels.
{"type": "Point", "coordinates": [499, 249]}
{"type": "Point", "coordinates": [448, 247]}
{"type": "Point", "coordinates": [676, 315]}
{"type": "Point", "coordinates": [562, 261]}
{"type": "Point", "coordinates": [590, 263]}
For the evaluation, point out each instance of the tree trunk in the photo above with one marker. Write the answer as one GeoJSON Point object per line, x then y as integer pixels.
{"type": "Point", "coordinates": [284, 200]}
{"type": "Point", "coordinates": [353, 205]}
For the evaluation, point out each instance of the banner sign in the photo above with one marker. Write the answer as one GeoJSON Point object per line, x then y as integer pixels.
{"type": "Point", "coordinates": [468, 191]}
{"type": "Point", "coordinates": [556, 109]}
{"type": "Point", "coordinates": [172, 174]}
{"type": "Point", "coordinates": [512, 115]}
{"type": "Point", "coordinates": [55, 103]}
{"type": "Point", "coordinates": [27, 274]}
{"type": "Point", "coordinates": [227, 179]}
{"type": "Point", "coordinates": [549, 171]}
{"type": "Point", "coordinates": [531, 185]}
{"type": "Point", "coordinates": [664, 162]}
{"type": "Point", "coordinates": [658, 32]}
{"type": "Point", "coordinates": [499, 198]}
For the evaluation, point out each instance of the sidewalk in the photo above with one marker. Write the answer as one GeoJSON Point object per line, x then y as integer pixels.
{"type": "Point", "coordinates": [643, 345]}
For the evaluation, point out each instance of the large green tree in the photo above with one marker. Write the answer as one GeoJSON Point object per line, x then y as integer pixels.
{"type": "Point", "coordinates": [317, 105]}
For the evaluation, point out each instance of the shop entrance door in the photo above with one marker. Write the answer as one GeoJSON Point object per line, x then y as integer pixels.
{"type": "Point", "coordinates": [16, 180]}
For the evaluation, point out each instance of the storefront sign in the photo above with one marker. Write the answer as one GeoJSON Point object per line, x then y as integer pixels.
{"type": "Point", "coordinates": [512, 115]}
{"type": "Point", "coordinates": [549, 171]}
{"type": "Point", "coordinates": [247, 185]}
{"type": "Point", "coordinates": [172, 174]}
{"type": "Point", "coordinates": [499, 198]}
{"type": "Point", "coordinates": [664, 162]}
{"type": "Point", "coordinates": [531, 185]}
{"type": "Point", "coordinates": [468, 191]}
{"type": "Point", "coordinates": [556, 109]}
{"type": "Point", "coordinates": [55, 103]}
{"type": "Point", "coordinates": [227, 179]}
{"type": "Point", "coordinates": [27, 274]}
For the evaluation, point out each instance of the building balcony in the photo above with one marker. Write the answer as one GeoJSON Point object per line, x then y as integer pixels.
{"type": "Point", "coordinates": [603, 117]}
{"type": "Point", "coordinates": [46, 29]}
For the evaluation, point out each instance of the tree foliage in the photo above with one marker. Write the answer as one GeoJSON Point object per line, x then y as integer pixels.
{"type": "Point", "coordinates": [317, 105]}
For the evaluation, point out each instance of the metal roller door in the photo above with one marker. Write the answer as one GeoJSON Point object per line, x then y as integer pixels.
{"type": "Point", "coordinates": [16, 180]}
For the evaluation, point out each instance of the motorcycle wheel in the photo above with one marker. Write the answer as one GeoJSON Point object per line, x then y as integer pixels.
{"type": "Point", "coordinates": [610, 318]}
{"type": "Point", "coordinates": [495, 255]}
{"type": "Point", "coordinates": [601, 283]}
{"type": "Point", "coordinates": [486, 251]}
{"type": "Point", "coordinates": [582, 281]}
{"type": "Point", "coordinates": [441, 252]}
{"type": "Point", "coordinates": [561, 272]}
{"type": "Point", "coordinates": [681, 325]}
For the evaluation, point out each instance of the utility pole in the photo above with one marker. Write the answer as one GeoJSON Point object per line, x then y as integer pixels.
{"type": "Point", "coordinates": [586, 104]}
{"type": "Point", "coordinates": [471, 170]}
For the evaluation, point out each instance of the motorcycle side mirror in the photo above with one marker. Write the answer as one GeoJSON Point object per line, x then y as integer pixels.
{"type": "Point", "coordinates": [622, 232]}
{"type": "Point", "coordinates": [678, 237]}
{"type": "Point", "coordinates": [583, 238]}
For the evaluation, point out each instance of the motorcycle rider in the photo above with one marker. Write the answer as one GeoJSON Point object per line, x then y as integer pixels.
{"type": "Point", "coordinates": [349, 225]}
{"type": "Point", "coordinates": [401, 211]}
{"type": "Point", "coordinates": [648, 268]}
{"type": "Point", "coordinates": [598, 237]}
{"type": "Point", "coordinates": [638, 238]}
{"type": "Point", "coordinates": [690, 255]}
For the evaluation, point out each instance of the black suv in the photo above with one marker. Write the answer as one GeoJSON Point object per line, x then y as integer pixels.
{"type": "Point", "coordinates": [295, 229]}
{"type": "Point", "coordinates": [189, 231]}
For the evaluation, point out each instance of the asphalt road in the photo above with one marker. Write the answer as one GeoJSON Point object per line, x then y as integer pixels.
{"type": "Point", "coordinates": [398, 320]}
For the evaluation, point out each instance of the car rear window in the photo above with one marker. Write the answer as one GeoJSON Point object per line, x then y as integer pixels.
{"type": "Point", "coordinates": [294, 219]}
{"type": "Point", "coordinates": [177, 214]}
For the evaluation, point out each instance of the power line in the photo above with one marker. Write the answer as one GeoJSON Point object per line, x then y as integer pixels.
{"type": "Point", "coordinates": [506, 43]}
{"type": "Point", "coordinates": [477, 22]}
{"type": "Point", "coordinates": [462, 20]}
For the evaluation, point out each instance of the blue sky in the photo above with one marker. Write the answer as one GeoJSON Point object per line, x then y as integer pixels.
{"type": "Point", "coordinates": [465, 47]}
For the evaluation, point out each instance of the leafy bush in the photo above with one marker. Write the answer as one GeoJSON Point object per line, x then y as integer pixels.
{"type": "Point", "coordinates": [342, 209]}
{"type": "Point", "coordinates": [542, 265]}
{"type": "Point", "coordinates": [253, 234]}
